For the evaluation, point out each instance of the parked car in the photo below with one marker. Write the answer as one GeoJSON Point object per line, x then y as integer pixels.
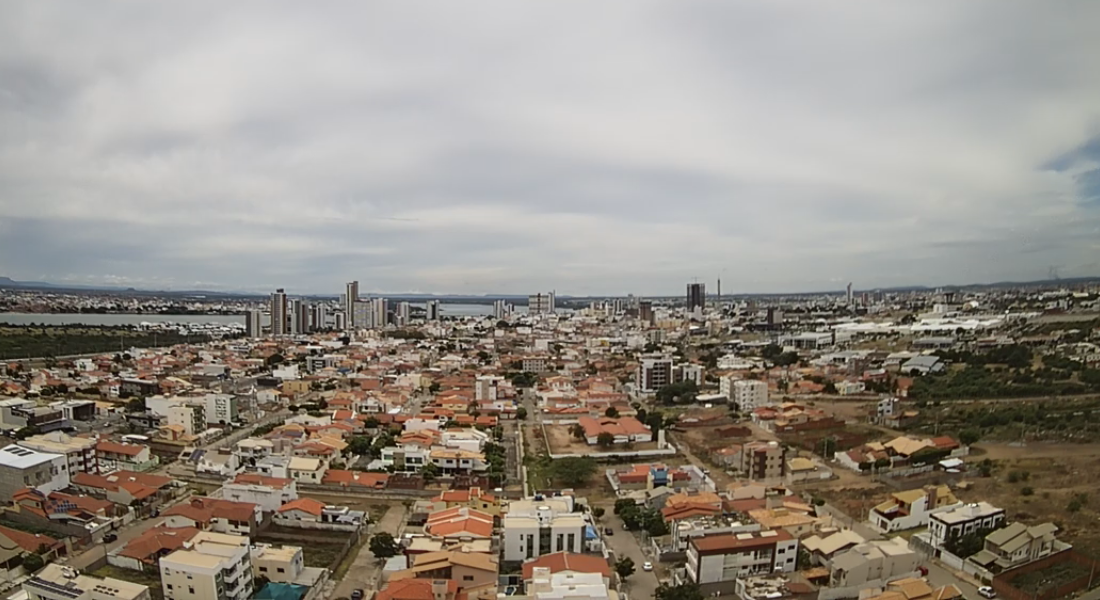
{"type": "Point", "coordinates": [987, 592]}
{"type": "Point", "coordinates": [608, 531]}
{"type": "Point", "coordinates": [647, 566]}
{"type": "Point", "coordinates": [357, 595]}
{"type": "Point", "coordinates": [109, 537]}
{"type": "Point", "coordinates": [923, 571]}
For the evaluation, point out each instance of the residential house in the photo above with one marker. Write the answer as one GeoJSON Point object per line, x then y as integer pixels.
{"type": "Point", "coordinates": [568, 563]}
{"type": "Point", "coordinates": [79, 451]}
{"type": "Point", "coordinates": [537, 527]}
{"type": "Point", "coordinates": [822, 550]}
{"type": "Point", "coordinates": [623, 430]}
{"type": "Point", "coordinates": [313, 514]}
{"type": "Point", "coordinates": [142, 491]}
{"type": "Point", "coordinates": [729, 556]}
{"type": "Point", "coordinates": [475, 573]}
{"type": "Point", "coordinates": [961, 520]}
{"type": "Point", "coordinates": [420, 589]}
{"type": "Point", "coordinates": [145, 551]}
{"type": "Point", "coordinates": [269, 493]}
{"type": "Point", "coordinates": [1017, 544]}
{"type": "Point", "coordinates": [873, 561]}
{"type": "Point", "coordinates": [474, 498]}
{"type": "Point", "coordinates": [113, 456]}
{"type": "Point", "coordinates": [284, 564]}
{"type": "Point", "coordinates": [215, 514]}
{"type": "Point", "coordinates": [307, 470]}
{"type": "Point", "coordinates": [22, 467]}
{"type": "Point", "coordinates": [911, 508]}
{"type": "Point", "coordinates": [459, 523]}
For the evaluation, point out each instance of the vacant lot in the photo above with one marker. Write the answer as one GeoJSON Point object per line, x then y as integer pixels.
{"type": "Point", "coordinates": [150, 578]}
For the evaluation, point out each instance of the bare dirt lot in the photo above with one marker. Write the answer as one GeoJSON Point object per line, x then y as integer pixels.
{"type": "Point", "coordinates": [563, 442]}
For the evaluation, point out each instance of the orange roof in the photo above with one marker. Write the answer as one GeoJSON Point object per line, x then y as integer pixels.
{"type": "Point", "coordinates": [464, 495]}
{"type": "Point", "coordinates": [417, 589]}
{"type": "Point", "coordinates": [115, 448]}
{"type": "Point", "coordinates": [204, 510]}
{"type": "Point", "coordinates": [156, 542]}
{"type": "Point", "coordinates": [307, 505]}
{"type": "Point", "coordinates": [29, 542]}
{"type": "Point", "coordinates": [624, 426]}
{"type": "Point", "coordinates": [567, 561]}
{"type": "Point", "coordinates": [348, 478]}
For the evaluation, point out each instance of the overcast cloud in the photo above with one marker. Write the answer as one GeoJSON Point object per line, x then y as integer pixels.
{"type": "Point", "coordinates": [510, 147]}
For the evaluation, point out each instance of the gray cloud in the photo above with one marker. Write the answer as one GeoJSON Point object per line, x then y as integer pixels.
{"type": "Point", "coordinates": [492, 146]}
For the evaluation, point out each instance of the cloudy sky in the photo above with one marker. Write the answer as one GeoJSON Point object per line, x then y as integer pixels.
{"type": "Point", "coordinates": [509, 147]}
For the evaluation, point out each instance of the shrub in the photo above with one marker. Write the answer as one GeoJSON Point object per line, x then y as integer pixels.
{"type": "Point", "coordinates": [1026, 491]}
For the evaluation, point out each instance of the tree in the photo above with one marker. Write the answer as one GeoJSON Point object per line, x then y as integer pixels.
{"type": "Point", "coordinates": [33, 562]}
{"type": "Point", "coordinates": [521, 413]}
{"type": "Point", "coordinates": [598, 512]}
{"type": "Point", "coordinates": [434, 387]}
{"type": "Point", "coordinates": [611, 413]}
{"type": "Point", "coordinates": [429, 472]}
{"type": "Point", "coordinates": [382, 545]}
{"type": "Point", "coordinates": [606, 439]}
{"type": "Point", "coordinates": [577, 431]}
{"type": "Point", "coordinates": [655, 524]}
{"type": "Point", "coordinates": [136, 405]}
{"type": "Point", "coordinates": [274, 359]}
{"type": "Point", "coordinates": [684, 591]}
{"type": "Point", "coordinates": [624, 567]}
{"type": "Point", "coordinates": [622, 504]}
{"type": "Point", "coordinates": [359, 445]}
{"type": "Point", "coordinates": [573, 471]}
{"type": "Point", "coordinates": [678, 393]}
{"type": "Point", "coordinates": [965, 546]}
{"type": "Point", "coordinates": [969, 437]}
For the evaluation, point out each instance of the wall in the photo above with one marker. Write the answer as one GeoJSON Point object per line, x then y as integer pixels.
{"type": "Point", "coordinates": [316, 525]}
{"type": "Point", "coordinates": [854, 590]}
{"type": "Point", "coordinates": [1002, 583]}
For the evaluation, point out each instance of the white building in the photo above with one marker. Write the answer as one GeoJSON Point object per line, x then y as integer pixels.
{"type": "Point", "coordinates": [269, 493]}
{"type": "Point", "coordinates": [79, 452]}
{"type": "Point", "coordinates": [22, 467]}
{"type": "Point", "coordinates": [58, 582]}
{"type": "Point", "coordinates": [731, 556]}
{"type": "Point", "coordinates": [540, 304]}
{"type": "Point", "coordinates": [653, 374]}
{"type": "Point", "coordinates": [536, 527]}
{"type": "Point", "coordinates": [962, 520]}
{"type": "Point", "coordinates": [212, 566]}
{"type": "Point", "coordinates": [486, 387]}
{"type": "Point", "coordinates": [545, 585]}
{"type": "Point", "coordinates": [749, 394]}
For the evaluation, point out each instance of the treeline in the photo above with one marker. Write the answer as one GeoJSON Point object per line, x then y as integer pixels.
{"type": "Point", "coordinates": [979, 382]}
{"type": "Point", "coordinates": [1014, 356]}
{"type": "Point", "coordinates": [62, 340]}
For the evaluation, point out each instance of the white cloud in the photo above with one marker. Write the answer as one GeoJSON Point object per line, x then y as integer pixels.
{"type": "Point", "coordinates": [501, 147]}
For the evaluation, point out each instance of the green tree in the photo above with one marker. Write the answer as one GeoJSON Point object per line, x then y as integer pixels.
{"type": "Point", "coordinates": [382, 545]}
{"type": "Point", "coordinates": [521, 413]}
{"type": "Point", "coordinates": [605, 440]}
{"type": "Point", "coordinates": [598, 512]}
{"type": "Point", "coordinates": [624, 567]}
{"type": "Point", "coordinates": [573, 471]}
{"type": "Point", "coordinates": [969, 437]}
{"type": "Point", "coordinates": [684, 591]}
{"type": "Point", "coordinates": [359, 445]}
{"type": "Point", "coordinates": [274, 359]}
{"type": "Point", "coordinates": [622, 504]}
{"type": "Point", "coordinates": [429, 472]}
{"type": "Point", "coordinates": [33, 562]}
{"type": "Point", "coordinates": [434, 387]}
{"type": "Point", "coordinates": [136, 405]}
{"type": "Point", "coordinates": [577, 431]}
{"type": "Point", "coordinates": [678, 393]}
{"type": "Point", "coordinates": [611, 412]}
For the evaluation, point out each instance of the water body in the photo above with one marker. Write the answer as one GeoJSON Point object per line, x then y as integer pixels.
{"type": "Point", "coordinates": [116, 319]}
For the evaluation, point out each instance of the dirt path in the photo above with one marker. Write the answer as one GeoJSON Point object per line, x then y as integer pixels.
{"type": "Point", "coordinates": [994, 451]}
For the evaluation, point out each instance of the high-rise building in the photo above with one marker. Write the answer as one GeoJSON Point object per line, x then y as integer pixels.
{"type": "Point", "coordinates": [280, 320]}
{"type": "Point", "coordinates": [502, 309]}
{"type": "Point", "coordinates": [318, 317]}
{"type": "Point", "coordinates": [379, 312]}
{"type": "Point", "coordinates": [299, 316]}
{"type": "Point", "coordinates": [351, 296]}
{"type": "Point", "coordinates": [340, 321]}
{"type": "Point", "coordinates": [402, 313]}
{"type": "Point", "coordinates": [211, 566]}
{"type": "Point", "coordinates": [645, 311]}
{"type": "Point", "coordinates": [540, 304]}
{"type": "Point", "coordinates": [653, 374]}
{"type": "Point", "coordinates": [696, 296]}
{"type": "Point", "coordinates": [432, 310]}
{"type": "Point", "coordinates": [253, 324]}
{"type": "Point", "coordinates": [848, 296]}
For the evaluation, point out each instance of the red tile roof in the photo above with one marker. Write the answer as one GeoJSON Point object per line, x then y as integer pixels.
{"type": "Point", "coordinates": [417, 589]}
{"type": "Point", "coordinates": [115, 448]}
{"type": "Point", "coordinates": [567, 561]}
{"type": "Point", "coordinates": [257, 479]}
{"type": "Point", "coordinates": [350, 478]}
{"type": "Point", "coordinates": [204, 510]}
{"type": "Point", "coordinates": [157, 542]}
{"type": "Point", "coordinates": [29, 542]}
{"type": "Point", "coordinates": [306, 505]}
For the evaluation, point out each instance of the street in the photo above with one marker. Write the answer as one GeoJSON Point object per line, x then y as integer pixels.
{"type": "Point", "coordinates": [939, 576]}
{"type": "Point", "coordinates": [641, 584]}
{"type": "Point", "coordinates": [86, 558]}
{"type": "Point", "coordinates": [365, 568]}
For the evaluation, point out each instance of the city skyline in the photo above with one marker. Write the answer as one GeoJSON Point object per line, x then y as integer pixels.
{"type": "Point", "coordinates": [783, 149]}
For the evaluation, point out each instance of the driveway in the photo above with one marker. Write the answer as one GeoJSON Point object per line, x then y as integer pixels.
{"type": "Point", "coordinates": [640, 585]}
{"type": "Point", "coordinates": [365, 570]}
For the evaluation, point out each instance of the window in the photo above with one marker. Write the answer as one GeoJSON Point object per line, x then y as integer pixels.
{"type": "Point", "coordinates": [169, 586]}
{"type": "Point", "coordinates": [190, 590]}
{"type": "Point", "coordinates": [263, 569]}
{"type": "Point", "coordinates": [281, 570]}
{"type": "Point", "coordinates": [467, 578]}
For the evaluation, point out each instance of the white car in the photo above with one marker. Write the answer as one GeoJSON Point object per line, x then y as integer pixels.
{"type": "Point", "coordinates": [987, 592]}
{"type": "Point", "coordinates": [647, 566]}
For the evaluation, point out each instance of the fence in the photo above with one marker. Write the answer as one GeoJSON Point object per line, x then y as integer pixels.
{"type": "Point", "coordinates": [1004, 583]}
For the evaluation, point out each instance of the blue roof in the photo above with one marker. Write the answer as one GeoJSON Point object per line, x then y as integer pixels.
{"type": "Point", "coordinates": [281, 591]}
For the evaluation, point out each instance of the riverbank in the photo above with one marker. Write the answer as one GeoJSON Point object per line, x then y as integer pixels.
{"type": "Point", "coordinates": [27, 342]}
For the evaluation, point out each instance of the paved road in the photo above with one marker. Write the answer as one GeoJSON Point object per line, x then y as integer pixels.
{"type": "Point", "coordinates": [131, 531]}
{"type": "Point", "coordinates": [365, 569]}
{"type": "Point", "coordinates": [641, 585]}
{"type": "Point", "coordinates": [938, 575]}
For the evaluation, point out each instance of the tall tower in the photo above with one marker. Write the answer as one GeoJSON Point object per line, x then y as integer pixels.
{"type": "Point", "coordinates": [351, 296]}
{"type": "Point", "coordinates": [849, 294]}
{"type": "Point", "coordinates": [719, 291]}
{"type": "Point", "coordinates": [432, 310]}
{"type": "Point", "coordinates": [696, 296]}
{"type": "Point", "coordinates": [279, 316]}
{"type": "Point", "coordinates": [253, 324]}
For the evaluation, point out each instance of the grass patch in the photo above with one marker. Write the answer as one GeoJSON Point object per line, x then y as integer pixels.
{"type": "Point", "coordinates": [342, 568]}
{"type": "Point", "coordinates": [150, 578]}
{"type": "Point", "coordinates": [321, 555]}
{"type": "Point", "coordinates": [1037, 582]}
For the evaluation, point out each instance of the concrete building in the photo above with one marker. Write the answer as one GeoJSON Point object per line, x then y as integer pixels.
{"type": "Point", "coordinates": [545, 585]}
{"type": "Point", "coordinates": [220, 409]}
{"type": "Point", "coordinates": [403, 314]}
{"type": "Point", "coordinates": [280, 317]}
{"type": "Point", "coordinates": [431, 310]}
{"type": "Point", "coordinates": [299, 317]}
{"type": "Point", "coordinates": [749, 394]}
{"type": "Point", "coordinates": [540, 304]}
{"type": "Point", "coordinates": [911, 508]}
{"type": "Point", "coordinates": [485, 387]}
{"type": "Point", "coordinates": [191, 418]}
{"type": "Point", "coordinates": [877, 560]}
{"type": "Point", "coordinates": [760, 460]}
{"type": "Point", "coordinates": [351, 298]}
{"type": "Point", "coordinates": [113, 456]}
{"type": "Point", "coordinates": [79, 452]}
{"type": "Point", "coordinates": [269, 493]}
{"type": "Point", "coordinates": [696, 296]}
{"type": "Point", "coordinates": [253, 324]}
{"type": "Point", "coordinates": [1017, 544]}
{"type": "Point", "coordinates": [58, 582]}
{"type": "Point", "coordinates": [22, 467]}
{"type": "Point", "coordinates": [729, 556]}
{"type": "Point", "coordinates": [212, 566]}
{"type": "Point", "coordinates": [541, 526]}
{"type": "Point", "coordinates": [962, 520]}
{"type": "Point", "coordinates": [379, 311]}
{"type": "Point", "coordinates": [281, 564]}
{"type": "Point", "coordinates": [653, 373]}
